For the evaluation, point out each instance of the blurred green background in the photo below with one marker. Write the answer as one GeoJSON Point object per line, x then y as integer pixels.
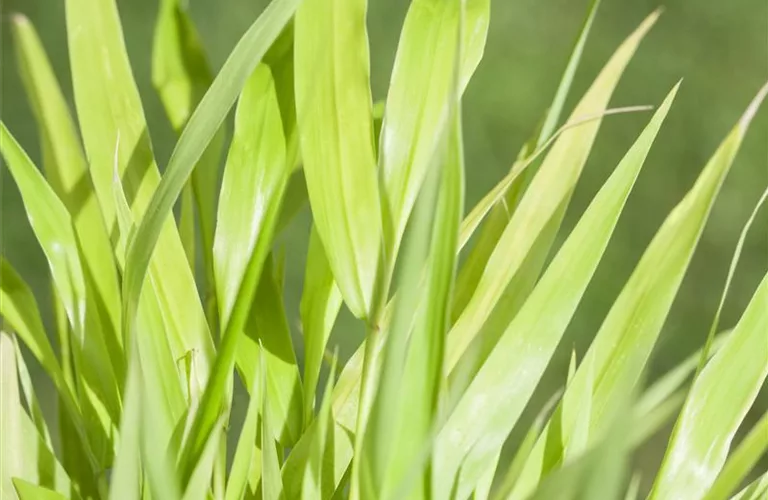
{"type": "Point", "coordinates": [719, 48]}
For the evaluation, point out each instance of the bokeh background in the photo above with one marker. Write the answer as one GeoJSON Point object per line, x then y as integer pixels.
{"type": "Point", "coordinates": [719, 48]}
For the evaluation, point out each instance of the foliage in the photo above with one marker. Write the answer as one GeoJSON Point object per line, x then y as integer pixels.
{"type": "Point", "coordinates": [455, 347]}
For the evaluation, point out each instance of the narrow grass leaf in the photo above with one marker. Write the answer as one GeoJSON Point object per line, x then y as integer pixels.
{"type": "Point", "coordinates": [741, 461]}
{"type": "Point", "coordinates": [246, 444]}
{"type": "Point", "coordinates": [333, 108]}
{"type": "Point", "coordinates": [498, 218]}
{"type": "Point", "coordinates": [756, 490]}
{"type": "Point", "coordinates": [181, 75]}
{"type": "Point", "coordinates": [198, 133]}
{"type": "Point", "coordinates": [67, 173]}
{"type": "Point", "coordinates": [271, 483]}
{"type": "Point", "coordinates": [495, 398]}
{"type": "Point", "coordinates": [11, 461]}
{"type": "Point", "coordinates": [716, 406]}
{"type": "Point", "coordinates": [422, 377]}
{"type": "Point", "coordinates": [626, 338]}
{"type": "Point", "coordinates": [100, 366]}
{"type": "Point", "coordinates": [267, 324]}
{"type": "Point", "coordinates": [535, 222]}
{"type": "Point", "coordinates": [109, 110]}
{"type": "Point", "coordinates": [314, 485]}
{"type": "Point", "coordinates": [199, 485]}
{"type": "Point", "coordinates": [417, 109]}
{"type": "Point", "coordinates": [320, 304]}
{"type": "Point", "coordinates": [126, 478]}
{"type": "Point", "coordinates": [30, 491]}
{"type": "Point", "coordinates": [30, 397]}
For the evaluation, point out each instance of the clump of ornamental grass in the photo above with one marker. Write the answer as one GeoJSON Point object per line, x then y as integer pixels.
{"type": "Point", "coordinates": [149, 349]}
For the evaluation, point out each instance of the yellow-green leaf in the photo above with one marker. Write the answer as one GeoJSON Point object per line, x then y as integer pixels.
{"type": "Point", "coordinates": [333, 107]}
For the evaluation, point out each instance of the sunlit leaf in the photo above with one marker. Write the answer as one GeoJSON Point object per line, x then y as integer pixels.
{"type": "Point", "coordinates": [29, 491]}
{"type": "Point", "coordinates": [313, 481]}
{"type": "Point", "coordinates": [716, 405]}
{"type": "Point", "coordinates": [333, 107]}
{"type": "Point", "coordinates": [495, 398]}
{"type": "Point", "coordinates": [527, 237]}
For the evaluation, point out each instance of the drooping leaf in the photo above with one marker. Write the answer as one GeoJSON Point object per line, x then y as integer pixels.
{"type": "Point", "coordinates": [490, 407]}
{"type": "Point", "coordinates": [626, 338]}
{"type": "Point", "coordinates": [333, 108]}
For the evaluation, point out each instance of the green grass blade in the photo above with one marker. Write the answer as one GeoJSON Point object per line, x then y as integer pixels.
{"type": "Point", "coordinates": [271, 483]}
{"type": "Point", "coordinates": [525, 448]}
{"type": "Point", "coordinates": [125, 482]}
{"type": "Point", "coordinates": [756, 490]}
{"type": "Point", "coordinates": [200, 129]}
{"type": "Point", "coordinates": [110, 112]}
{"type": "Point", "coordinates": [495, 398]}
{"type": "Point", "coordinates": [494, 226]}
{"type": "Point", "coordinates": [320, 304]}
{"type": "Point", "coordinates": [741, 461]}
{"type": "Point", "coordinates": [417, 109]}
{"type": "Point", "coordinates": [29, 491]}
{"type": "Point", "coordinates": [255, 177]}
{"type": "Point", "coordinates": [11, 460]}
{"type": "Point", "coordinates": [246, 444]}
{"type": "Point", "coordinates": [267, 324]}
{"type": "Point", "coordinates": [633, 490]}
{"type": "Point", "coordinates": [405, 407]}
{"type": "Point", "coordinates": [66, 169]}
{"type": "Point", "coordinates": [535, 222]}
{"type": "Point", "coordinates": [333, 106]}
{"type": "Point", "coordinates": [199, 484]}
{"type": "Point", "coordinates": [658, 275]}
{"type": "Point", "coordinates": [100, 366]}
{"type": "Point", "coordinates": [30, 397]}
{"type": "Point", "coordinates": [716, 405]}
{"type": "Point", "coordinates": [314, 482]}
{"type": "Point", "coordinates": [181, 76]}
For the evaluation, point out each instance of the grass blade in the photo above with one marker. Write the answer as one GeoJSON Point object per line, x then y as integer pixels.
{"type": "Point", "coordinates": [67, 172]}
{"type": "Point", "coordinates": [271, 483]}
{"type": "Point", "coordinates": [200, 129]}
{"type": "Point", "coordinates": [495, 398]}
{"type": "Point", "coordinates": [30, 397]}
{"type": "Point", "coordinates": [423, 77]}
{"type": "Point", "coordinates": [255, 177]}
{"type": "Point", "coordinates": [320, 304]}
{"type": "Point", "coordinates": [246, 444]}
{"type": "Point", "coordinates": [181, 75]}
{"type": "Point", "coordinates": [755, 490]}
{"type": "Point", "coordinates": [498, 218]}
{"type": "Point", "coordinates": [314, 483]}
{"type": "Point", "coordinates": [10, 417]}
{"type": "Point", "coordinates": [631, 328]}
{"type": "Point", "coordinates": [534, 224]}
{"type": "Point", "coordinates": [126, 470]}
{"type": "Point", "coordinates": [100, 366]}
{"type": "Point", "coordinates": [109, 111]}
{"type": "Point", "coordinates": [333, 106]}
{"type": "Point", "coordinates": [716, 405]}
{"type": "Point", "coordinates": [29, 491]}
{"type": "Point", "coordinates": [741, 461]}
